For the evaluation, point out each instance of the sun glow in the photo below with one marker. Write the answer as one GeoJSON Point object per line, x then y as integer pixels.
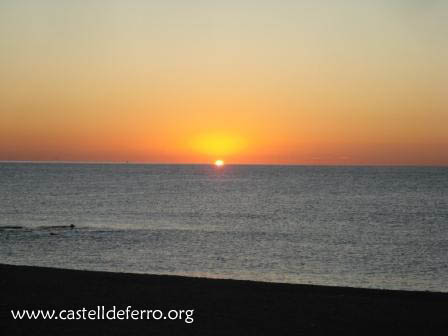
{"type": "Point", "coordinates": [219, 163]}
{"type": "Point", "coordinates": [217, 144]}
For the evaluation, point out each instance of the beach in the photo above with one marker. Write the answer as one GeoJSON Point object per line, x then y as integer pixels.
{"type": "Point", "coordinates": [217, 307]}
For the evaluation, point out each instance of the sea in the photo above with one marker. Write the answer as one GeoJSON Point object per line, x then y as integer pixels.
{"type": "Point", "coordinates": [372, 227]}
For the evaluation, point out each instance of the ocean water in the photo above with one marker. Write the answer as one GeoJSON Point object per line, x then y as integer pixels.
{"type": "Point", "coordinates": [376, 227]}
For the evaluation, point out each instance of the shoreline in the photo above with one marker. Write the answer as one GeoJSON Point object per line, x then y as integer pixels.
{"type": "Point", "coordinates": [221, 306]}
{"type": "Point", "coordinates": [248, 281]}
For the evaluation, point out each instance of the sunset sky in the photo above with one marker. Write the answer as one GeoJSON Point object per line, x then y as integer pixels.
{"type": "Point", "coordinates": [260, 81]}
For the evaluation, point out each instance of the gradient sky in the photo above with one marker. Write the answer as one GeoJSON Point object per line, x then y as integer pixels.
{"type": "Point", "coordinates": [266, 81]}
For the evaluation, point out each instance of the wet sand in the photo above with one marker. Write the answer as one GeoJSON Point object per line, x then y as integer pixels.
{"type": "Point", "coordinates": [221, 307]}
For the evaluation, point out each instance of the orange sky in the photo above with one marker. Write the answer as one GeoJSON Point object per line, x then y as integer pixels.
{"type": "Point", "coordinates": [246, 82]}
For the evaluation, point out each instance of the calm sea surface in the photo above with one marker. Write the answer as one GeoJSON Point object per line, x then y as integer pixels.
{"type": "Point", "coordinates": [379, 227]}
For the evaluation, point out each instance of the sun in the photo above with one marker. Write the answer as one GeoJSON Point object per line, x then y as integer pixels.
{"type": "Point", "coordinates": [219, 163]}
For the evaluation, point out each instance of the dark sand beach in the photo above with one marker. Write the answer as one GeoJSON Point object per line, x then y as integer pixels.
{"type": "Point", "coordinates": [221, 307]}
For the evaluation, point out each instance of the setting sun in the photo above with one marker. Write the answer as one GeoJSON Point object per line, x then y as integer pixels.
{"type": "Point", "coordinates": [219, 163]}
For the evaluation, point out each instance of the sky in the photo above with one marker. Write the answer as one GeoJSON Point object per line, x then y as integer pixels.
{"type": "Point", "coordinates": [250, 82]}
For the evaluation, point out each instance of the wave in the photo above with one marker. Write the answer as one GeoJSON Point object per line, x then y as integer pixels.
{"type": "Point", "coordinates": [46, 227]}
{"type": "Point", "coordinates": [52, 227]}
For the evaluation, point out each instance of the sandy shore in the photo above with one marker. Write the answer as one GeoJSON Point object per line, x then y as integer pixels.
{"type": "Point", "coordinates": [221, 307]}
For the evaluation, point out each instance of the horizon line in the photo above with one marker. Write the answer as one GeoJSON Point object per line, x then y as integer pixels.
{"type": "Point", "coordinates": [226, 164]}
